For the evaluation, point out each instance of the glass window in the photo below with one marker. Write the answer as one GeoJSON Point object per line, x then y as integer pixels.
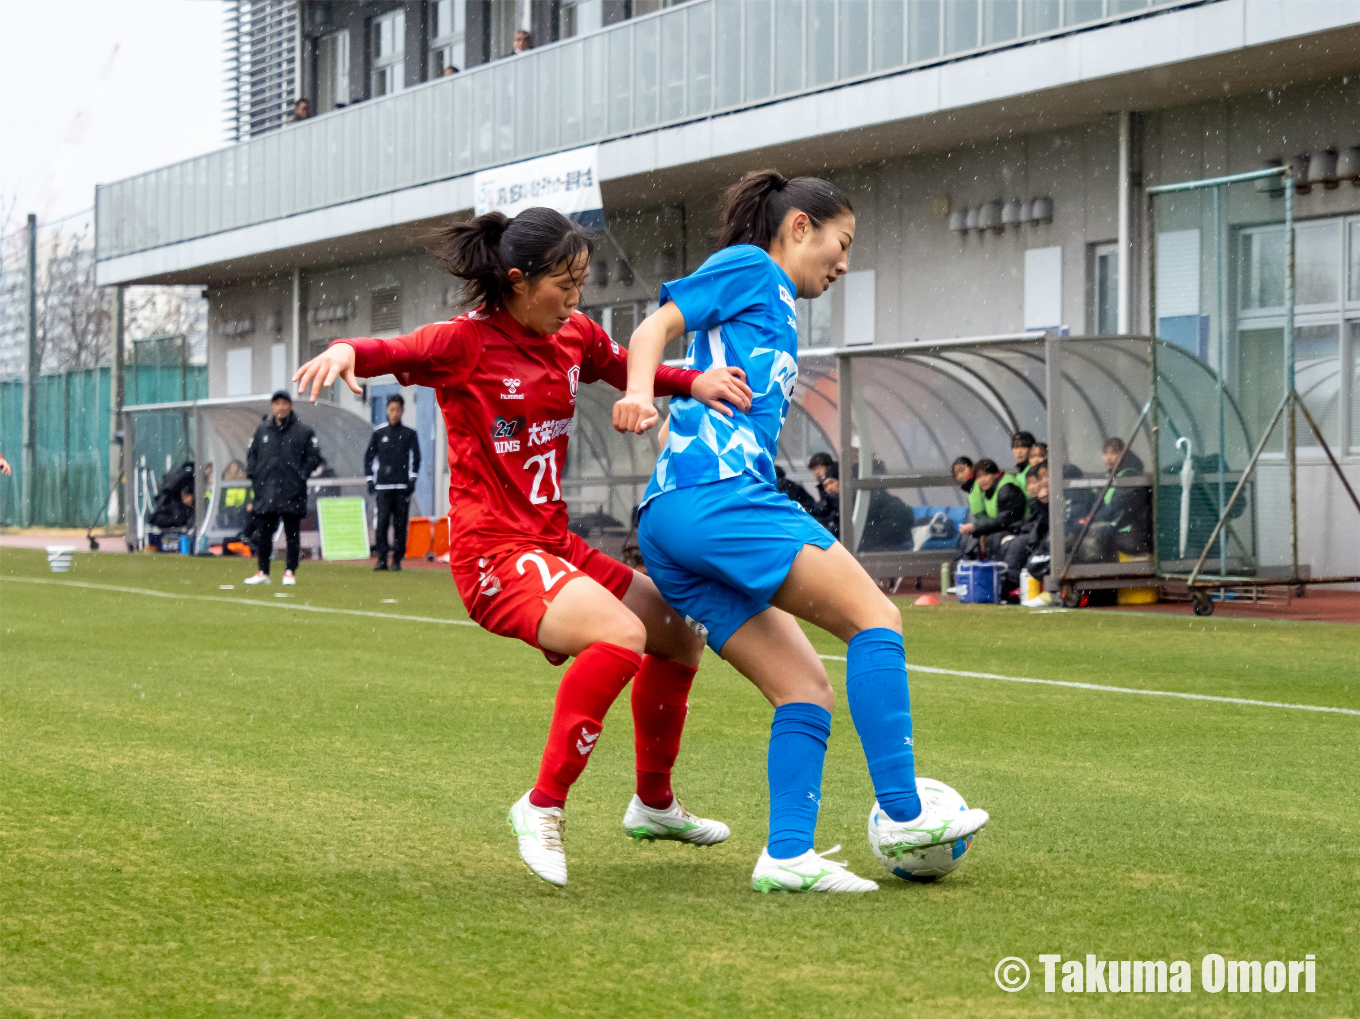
{"type": "Point", "coordinates": [646, 62]}
{"type": "Point", "coordinates": [814, 322]}
{"type": "Point", "coordinates": [960, 25]}
{"type": "Point", "coordinates": [1355, 384]}
{"type": "Point", "coordinates": [332, 72]}
{"type": "Point", "coordinates": [1260, 373]}
{"type": "Point", "coordinates": [1105, 289]}
{"type": "Point", "coordinates": [1000, 21]}
{"type": "Point", "coordinates": [1353, 289]}
{"type": "Point", "coordinates": [727, 55]}
{"type": "Point", "coordinates": [1261, 269]}
{"type": "Point", "coordinates": [1039, 16]}
{"type": "Point", "coordinates": [854, 39]}
{"type": "Point", "coordinates": [887, 33]}
{"type": "Point", "coordinates": [788, 47]}
{"type": "Point", "coordinates": [1317, 377]}
{"type": "Point", "coordinates": [1127, 6]}
{"type": "Point", "coordinates": [758, 18]}
{"type": "Point", "coordinates": [923, 30]}
{"type": "Point", "coordinates": [1317, 256]}
{"type": "Point", "coordinates": [448, 47]}
{"type": "Point", "coordinates": [673, 66]}
{"type": "Point", "coordinates": [389, 52]}
{"type": "Point", "coordinates": [502, 26]}
{"type": "Point", "coordinates": [700, 29]}
{"type": "Point", "coordinates": [821, 41]}
{"type": "Point", "coordinates": [1078, 12]}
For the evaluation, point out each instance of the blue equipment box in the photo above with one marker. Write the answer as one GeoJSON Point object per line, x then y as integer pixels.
{"type": "Point", "coordinates": [979, 583]}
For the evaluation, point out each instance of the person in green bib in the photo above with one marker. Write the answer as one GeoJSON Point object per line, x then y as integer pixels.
{"type": "Point", "coordinates": [996, 505]}
{"type": "Point", "coordinates": [1122, 519]}
{"type": "Point", "coordinates": [1022, 444]}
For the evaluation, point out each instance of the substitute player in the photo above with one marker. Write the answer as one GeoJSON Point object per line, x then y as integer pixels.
{"type": "Point", "coordinates": [729, 551]}
{"type": "Point", "coordinates": [506, 376]}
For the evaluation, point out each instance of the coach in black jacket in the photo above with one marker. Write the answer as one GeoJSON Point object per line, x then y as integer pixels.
{"type": "Point", "coordinates": [282, 456]}
{"type": "Point", "coordinates": [392, 461]}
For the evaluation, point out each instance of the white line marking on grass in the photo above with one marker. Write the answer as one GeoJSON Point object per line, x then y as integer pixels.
{"type": "Point", "coordinates": [1117, 689]}
{"type": "Point", "coordinates": [239, 601]}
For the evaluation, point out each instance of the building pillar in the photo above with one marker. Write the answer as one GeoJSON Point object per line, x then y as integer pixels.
{"type": "Point", "coordinates": [31, 371]}
{"type": "Point", "coordinates": [116, 398]}
{"type": "Point", "coordinates": [1125, 240]}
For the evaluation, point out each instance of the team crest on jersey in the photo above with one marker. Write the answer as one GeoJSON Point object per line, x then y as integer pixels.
{"type": "Point", "coordinates": [510, 386]}
{"type": "Point", "coordinates": [574, 379]}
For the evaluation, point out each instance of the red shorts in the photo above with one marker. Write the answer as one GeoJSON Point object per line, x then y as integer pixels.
{"type": "Point", "coordinates": [508, 590]}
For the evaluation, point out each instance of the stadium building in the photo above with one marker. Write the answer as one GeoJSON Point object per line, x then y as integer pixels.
{"type": "Point", "coordinates": [997, 152]}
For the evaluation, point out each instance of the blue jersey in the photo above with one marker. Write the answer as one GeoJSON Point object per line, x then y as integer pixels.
{"type": "Point", "coordinates": [740, 306]}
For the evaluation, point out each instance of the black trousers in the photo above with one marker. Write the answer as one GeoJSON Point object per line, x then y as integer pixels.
{"type": "Point", "coordinates": [265, 526]}
{"type": "Point", "coordinates": [394, 508]}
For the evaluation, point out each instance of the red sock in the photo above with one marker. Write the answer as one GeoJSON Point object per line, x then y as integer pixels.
{"type": "Point", "coordinates": [589, 686]}
{"type": "Point", "coordinates": [660, 703]}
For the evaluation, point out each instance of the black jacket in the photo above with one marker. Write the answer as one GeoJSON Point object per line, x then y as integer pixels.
{"type": "Point", "coordinates": [1010, 512]}
{"type": "Point", "coordinates": [1035, 527]}
{"type": "Point", "coordinates": [1127, 509]}
{"type": "Point", "coordinates": [887, 524]}
{"type": "Point", "coordinates": [281, 459]}
{"type": "Point", "coordinates": [392, 459]}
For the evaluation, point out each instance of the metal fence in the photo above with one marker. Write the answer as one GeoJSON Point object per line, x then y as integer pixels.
{"type": "Point", "coordinates": [71, 473]}
{"type": "Point", "coordinates": [689, 62]}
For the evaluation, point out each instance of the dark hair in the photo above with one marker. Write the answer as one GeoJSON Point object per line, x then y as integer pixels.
{"type": "Point", "coordinates": [962, 461]}
{"type": "Point", "coordinates": [397, 398]}
{"type": "Point", "coordinates": [1043, 446]}
{"type": "Point", "coordinates": [754, 208]}
{"type": "Point", "coordinates": [821, 460]}
{"type": "Point", "coordinates": [986, 467]}
{"type": "Point", "coordinates": [1113, 444]}
{"type": "Point", "coordinates": [483, 251]}
{"type": "Point", "coordinates": [1042, 465]}
{"type": "Point", "coordinates": [1022, 439]}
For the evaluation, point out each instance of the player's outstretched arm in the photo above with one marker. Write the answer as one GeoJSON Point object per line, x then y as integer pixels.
{"type": "Point", "coordinates": [320, 372]}
{"type": "Point", "coordinates": [634, 411]}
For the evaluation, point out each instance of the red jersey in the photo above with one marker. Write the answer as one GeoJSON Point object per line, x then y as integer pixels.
{"type": "Point", "coordinates": [508, 398]}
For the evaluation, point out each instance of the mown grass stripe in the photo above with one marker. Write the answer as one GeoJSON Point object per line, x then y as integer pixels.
{"type": "Point", "coordinates": [1117, 689]}
{"type": "Point", "coordinates": [152, 593]}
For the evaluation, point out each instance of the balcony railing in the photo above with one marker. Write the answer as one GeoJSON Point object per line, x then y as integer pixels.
{"type": "Point", "coordinates": [684, 63]}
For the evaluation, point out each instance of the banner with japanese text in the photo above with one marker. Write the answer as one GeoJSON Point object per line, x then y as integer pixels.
{"type": "Point", "coordinates": [566, 181]}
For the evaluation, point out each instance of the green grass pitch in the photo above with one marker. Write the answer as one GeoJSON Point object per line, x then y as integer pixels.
{"type": "Point", "coordinates": [213, 808]}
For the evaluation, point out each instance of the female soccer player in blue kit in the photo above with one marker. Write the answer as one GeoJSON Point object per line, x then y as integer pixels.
{"type": "Point", "coordinates": [742, 561]}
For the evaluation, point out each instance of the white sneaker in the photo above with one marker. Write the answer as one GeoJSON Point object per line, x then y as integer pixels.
{"type": "Point", "coordinates": [288, 579]}
{"type": "Point", "coordinates": [811, 872]}
{"type": "Point", "coordinates": [259, 578]}
{"type": "Point", "coordinates": [934, 826]}
{"type": "Point", "coordinates": [540, 830]}
{"type": "Point", "coordinates": [674, 823]}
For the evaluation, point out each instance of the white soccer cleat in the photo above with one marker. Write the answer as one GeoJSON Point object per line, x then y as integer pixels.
{"type": "Point", "coordinates": [675, 823]}
{"type": "Point", "coordinates": [935, 825]}
{"type": "Point", "coordinates": [539, 830]}
{"type": "Point", "coordinates": [811, 872]}
{"type": "Point", "coordinates": [259, 578]}
{"type": "Point", "coordinates": [288, 579]}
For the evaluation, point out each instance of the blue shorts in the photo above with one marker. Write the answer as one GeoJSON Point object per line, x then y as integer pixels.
{"type": "Point", "coordinates": [718, 552]}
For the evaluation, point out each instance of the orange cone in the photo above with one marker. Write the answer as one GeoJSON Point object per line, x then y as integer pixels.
{"type": "Point", "coordinates": [926, 599]}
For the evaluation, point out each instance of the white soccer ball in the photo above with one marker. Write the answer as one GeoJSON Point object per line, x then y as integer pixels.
{"type": "Point", "coordinates": [936, 861]}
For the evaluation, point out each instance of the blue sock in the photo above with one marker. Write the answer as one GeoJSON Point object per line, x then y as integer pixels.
{"type": "Point", "coordinates": [797, 749]}
{"type": "Point", "coordinates": [880, 704]}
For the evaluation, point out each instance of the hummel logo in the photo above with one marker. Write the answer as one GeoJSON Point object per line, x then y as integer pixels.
{"type": "Point", "coordinates": [511, 385]}
{"type": "Point", "coordinates": [589, 744]}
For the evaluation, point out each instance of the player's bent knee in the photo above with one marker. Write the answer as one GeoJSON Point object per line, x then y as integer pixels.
{"type": "Point", "coordinates": [626, 630]}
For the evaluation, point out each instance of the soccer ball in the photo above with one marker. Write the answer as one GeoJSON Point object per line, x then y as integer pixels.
{"type": "Point", "coordinates": [936, 861]}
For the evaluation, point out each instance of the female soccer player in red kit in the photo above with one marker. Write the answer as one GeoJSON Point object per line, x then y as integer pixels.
{"type": "Point", "coordinates": [506, 375]}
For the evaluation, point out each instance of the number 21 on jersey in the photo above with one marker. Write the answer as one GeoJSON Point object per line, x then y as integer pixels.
{"type": "Point", "coordinates": [546, 464]}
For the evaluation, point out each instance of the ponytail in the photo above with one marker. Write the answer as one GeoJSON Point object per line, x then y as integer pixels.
{"type": "Point", "coordinates": [754, 208]}
{"type": "Point", "coordinates": [482, 251]}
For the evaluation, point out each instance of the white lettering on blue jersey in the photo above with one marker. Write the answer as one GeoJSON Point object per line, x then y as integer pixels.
{"type": "Point", "coordinates": [735, 304]}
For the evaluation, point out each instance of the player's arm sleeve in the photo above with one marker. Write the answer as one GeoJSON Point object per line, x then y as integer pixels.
{"type": "Point", "coordinates": [722, 291]}
{"type": "Point", "coordinates": [435, 355]}
{"type": "Point", "coordinates": [606, 361]}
